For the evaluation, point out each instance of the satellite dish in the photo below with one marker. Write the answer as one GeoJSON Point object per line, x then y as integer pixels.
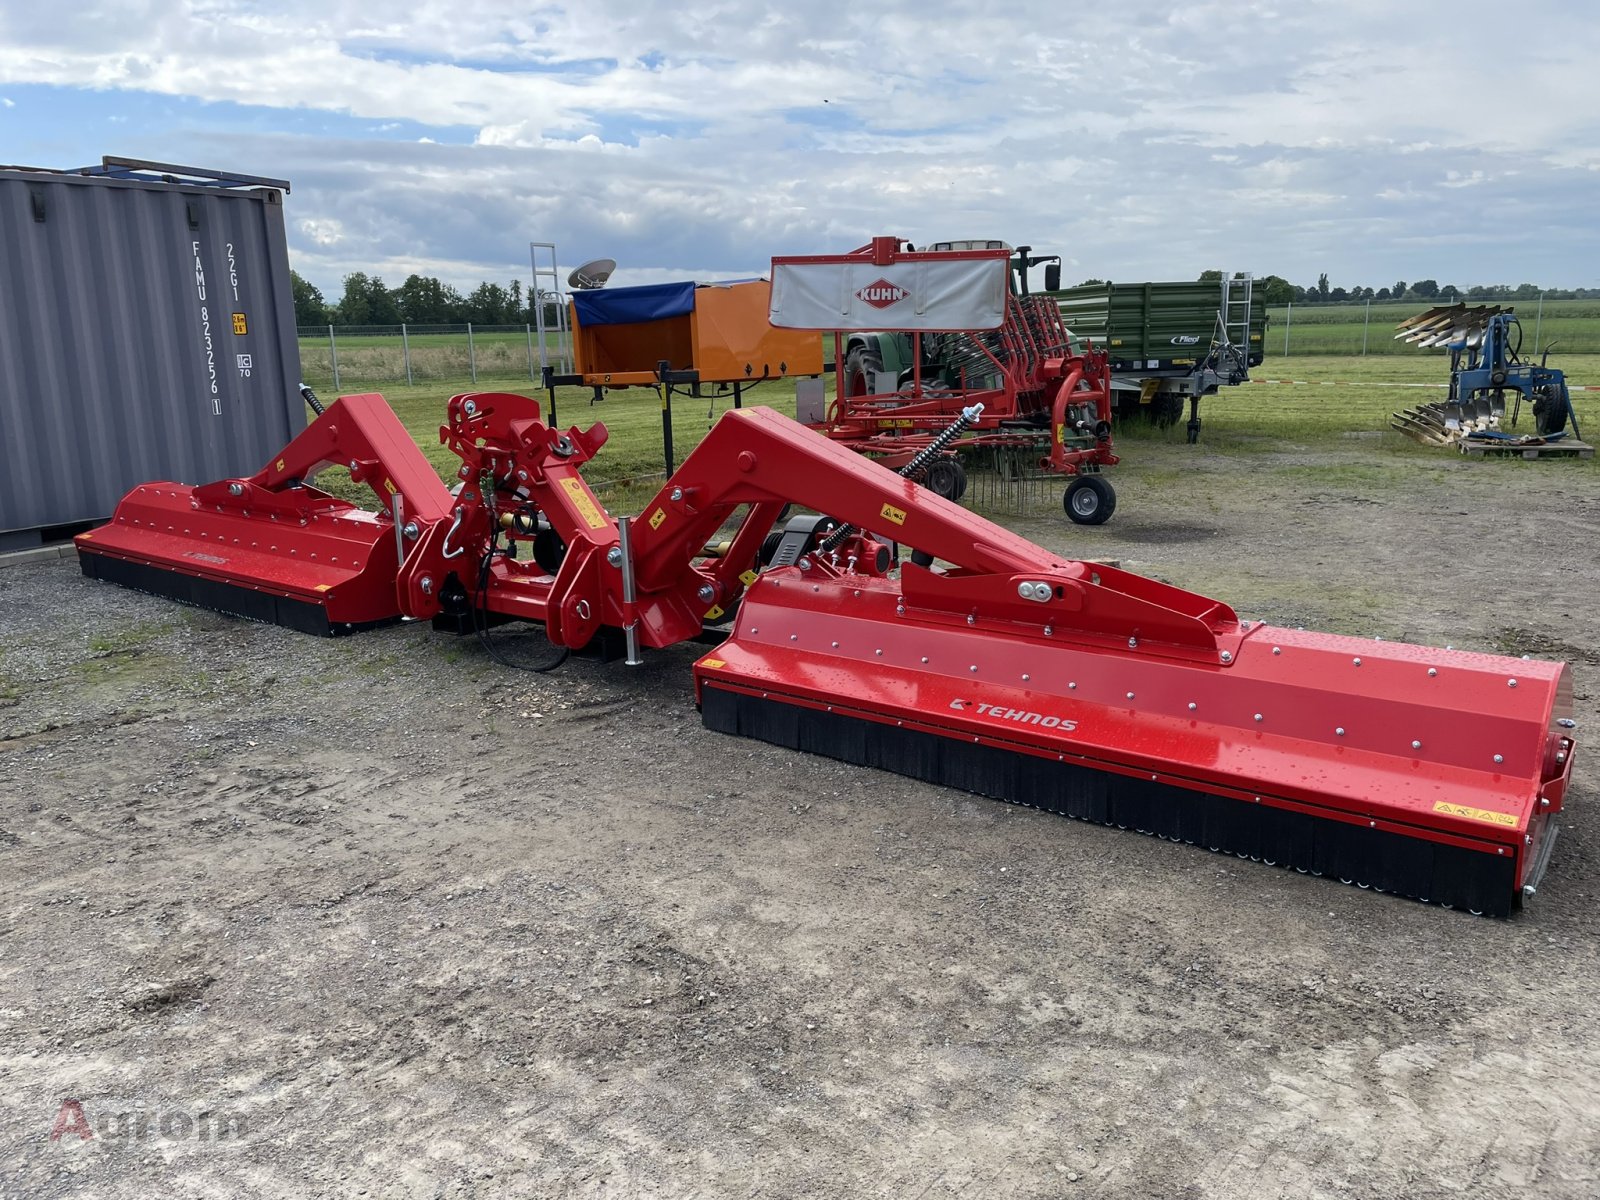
{"type": "Point", "coordinates": [592, 274]}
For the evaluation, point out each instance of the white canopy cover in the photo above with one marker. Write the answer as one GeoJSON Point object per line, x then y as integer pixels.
{"type": "Point", "coordinates": [924, 292]}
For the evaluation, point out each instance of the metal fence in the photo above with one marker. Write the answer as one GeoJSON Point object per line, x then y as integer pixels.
{"type": "Point", "coordinates": [1369, 328]}
{"type": "Point", "coordinates": [348, 355]}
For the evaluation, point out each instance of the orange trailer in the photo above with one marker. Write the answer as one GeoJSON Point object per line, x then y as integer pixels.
{"type": "Point", "coordinates": [718, 332]}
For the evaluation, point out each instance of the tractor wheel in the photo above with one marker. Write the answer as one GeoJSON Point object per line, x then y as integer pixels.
{"type": "Point", "coordinates": [1549, 412]}
{"type": "Point", "coordinates": [1090, 500]}
{"type": "Point", "coordinates": [861, 366]}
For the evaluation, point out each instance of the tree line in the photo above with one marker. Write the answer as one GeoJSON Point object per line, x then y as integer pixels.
{"type": "Point", "coordinates": [1279, 291]}
{"type": "Point", "coordinates": [420, 300]}
{"type": "Point", "coordinates": [423, 300]}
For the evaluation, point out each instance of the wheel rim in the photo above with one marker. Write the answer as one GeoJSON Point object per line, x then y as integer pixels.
{"type": "Point", "coordinates": [1085, 502]}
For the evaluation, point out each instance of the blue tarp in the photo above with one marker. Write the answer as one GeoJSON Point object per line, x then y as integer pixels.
{"type": "Point", "coordinates": [629, 306]}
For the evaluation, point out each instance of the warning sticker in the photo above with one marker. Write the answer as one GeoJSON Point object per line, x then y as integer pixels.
{"type": "Point", "coordinates": [747, 577]}
{"type": "Point", "coordinates": [584, 503]}
{"type": "Point", "coordinates": [712, 663]}
{"type": "Point", "coordinates": [890, 513]}
{"type": "Point", "coordinates": [1474, 814]}
{"type": "Point", "coordinates": [239, 325]}
{"type": "Point", "coordinates": [657, 517]}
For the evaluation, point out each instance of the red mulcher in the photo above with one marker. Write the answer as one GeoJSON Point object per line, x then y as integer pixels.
{"type": "Point", "coordinates": [1000, 669]}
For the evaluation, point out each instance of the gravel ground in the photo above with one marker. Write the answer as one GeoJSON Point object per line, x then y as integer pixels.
{"type": "Point", "coordinates": [291, 917]}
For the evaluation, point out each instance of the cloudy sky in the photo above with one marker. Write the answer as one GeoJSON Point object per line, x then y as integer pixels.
{"type": "Point", "coordinates": [1372, 139]}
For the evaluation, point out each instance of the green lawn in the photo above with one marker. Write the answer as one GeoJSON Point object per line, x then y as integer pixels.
{"type": "Point", "coordinates": [1574, 325]}
{"type": "Point", "coordinates": [1359, 395]}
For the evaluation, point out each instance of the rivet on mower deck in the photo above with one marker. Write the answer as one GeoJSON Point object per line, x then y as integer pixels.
{"type": "Point", "coordinates": [1193, 706]}
{"type": "Point", "coordinates": [1357, 661]}
{"type": "Point", "coordinates": [1258, 716]}
{"type": "Point", "coordinates": [1415, 745]}
{"type": "Point", "coordinates": [1277, 649]}
{"type": "Point", "coordinates": [1500, 758]}
{"type": "Point", "coordinates": [1432, 671]}
{"type": "Point", "coordinates": [1339, 732]}
{"type": "Point", "coordinates": [1511, 683]}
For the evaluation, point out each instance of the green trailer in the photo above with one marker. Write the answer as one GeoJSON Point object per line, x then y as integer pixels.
{"type": "Point", "coordinates": [1170, 342]}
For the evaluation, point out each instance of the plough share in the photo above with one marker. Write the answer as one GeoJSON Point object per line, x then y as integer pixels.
{"type": "Point", "coordinates": [983, 662]}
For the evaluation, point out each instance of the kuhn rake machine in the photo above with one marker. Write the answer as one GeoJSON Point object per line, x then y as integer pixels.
{"type": "Point", "coordinates": [971, 341]}
{"type": "Point", "coordinates": [998, 667]}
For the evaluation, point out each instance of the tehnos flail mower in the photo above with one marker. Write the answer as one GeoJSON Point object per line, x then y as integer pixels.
{"type": "Point", "coordinates": [997, 667]}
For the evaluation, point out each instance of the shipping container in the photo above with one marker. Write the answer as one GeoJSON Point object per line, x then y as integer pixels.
{"type": "Point", "coordinates": [146, 332]}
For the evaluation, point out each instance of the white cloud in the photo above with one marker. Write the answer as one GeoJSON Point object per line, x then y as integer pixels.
{"type": "Point", "coordinates": [1151, 141]}
{"type": "Point", "coordinates": [7, 102]}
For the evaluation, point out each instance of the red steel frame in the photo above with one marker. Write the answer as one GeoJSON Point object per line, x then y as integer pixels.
{"type": "Point", "coordinates": [1047, 393]}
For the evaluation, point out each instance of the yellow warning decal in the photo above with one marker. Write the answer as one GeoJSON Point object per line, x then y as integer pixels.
{"type": "Point", "coordinates": [1474, 814]}
{"type": "Point", "coordinates": [239, 325]}
{"type": "Point", "coordinates": [712, 663]}
{"type": "Point", "coordinates": [890, 513]}
{"type": "Point", "coordinates": [713, 612]}
{"type": "Point", "coordinates": [389, 483]}
{"type": "Point", "coordinates": [322, 587]}
{"type": "Point", "coordinates": [583, 502]}
{"type": "Point", "coordinates": [280, 464]}
{"type": "Point", "coordinates": [748, 577]}
{"type": "Point", "coordinates": [1061, 433]}
{"type": "Point", "coordinates": [657, 517]}
{"type": "Point", "coordinates": [895, 423]}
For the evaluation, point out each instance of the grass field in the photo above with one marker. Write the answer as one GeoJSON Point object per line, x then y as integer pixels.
{"type": "Point", "coordinates": [1574, 325]}
{"type": "Point", "coordinates": [380, 358]}
{"type": "Point", "coordinates": [510, 355]}
{"type": "Point", "coordinates": [1344, 397]}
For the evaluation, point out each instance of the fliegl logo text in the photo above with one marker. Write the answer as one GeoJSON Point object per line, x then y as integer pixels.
{"type": "Point", "coordinates": [1186, 339]}
{"type": "Point", "coordinates": [1021, 716]}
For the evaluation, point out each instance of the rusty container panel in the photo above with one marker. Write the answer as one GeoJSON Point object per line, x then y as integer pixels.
{"type": "Point", "coordinates": [146, 332]}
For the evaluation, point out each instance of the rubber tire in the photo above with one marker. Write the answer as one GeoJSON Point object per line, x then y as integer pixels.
{"type": "Point", "coordinates": [860, 368]}
{"type": "Point", "coordinates": [947, 477]}
{"type": "Point", "coordinates": [1166, 410]}
{"type": "Point", "coordinates": [1549, 412]}
{"type": "Point", "coordinates": [1089, 500]}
